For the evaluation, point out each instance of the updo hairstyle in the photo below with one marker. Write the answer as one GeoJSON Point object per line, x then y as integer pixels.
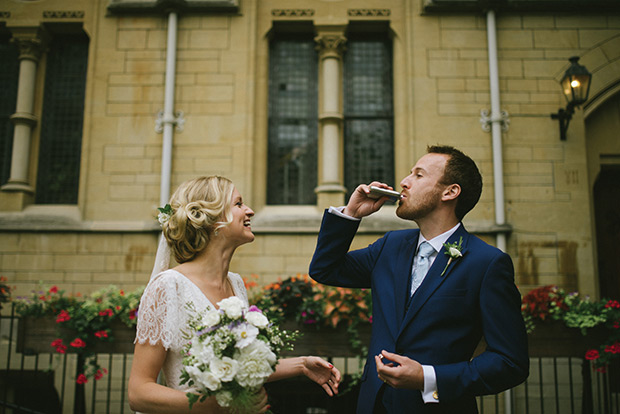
{"type": "Point", "coordinates": [199, 208]}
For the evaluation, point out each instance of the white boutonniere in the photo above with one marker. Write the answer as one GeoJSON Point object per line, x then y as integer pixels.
{"type": "Point", "coordinates": [453, 250]}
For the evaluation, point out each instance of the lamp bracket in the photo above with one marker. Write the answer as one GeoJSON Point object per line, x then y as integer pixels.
{"type": "Point", "coordinates": [564, 116]}
{"type": "Point", "coordinates": [176, 120]}
{"type": "Point", "coordinates": [486, 119]}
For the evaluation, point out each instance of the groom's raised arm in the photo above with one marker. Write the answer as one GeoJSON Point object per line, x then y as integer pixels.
{"type": "Point", "coordinates": [332, 264]}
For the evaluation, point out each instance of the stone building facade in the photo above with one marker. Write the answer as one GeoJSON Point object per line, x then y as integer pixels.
{"type": "Point", "coordinates": [546, 201]}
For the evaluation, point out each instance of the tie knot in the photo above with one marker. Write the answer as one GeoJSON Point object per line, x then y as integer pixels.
{"type": "Point", "coordinates": [426, 249]}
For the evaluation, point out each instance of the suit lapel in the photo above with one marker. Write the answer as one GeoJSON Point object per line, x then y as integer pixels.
{"type": "Point", "coordinates": [434, 278]}
{"type": "Point", "coordinates": [403, 274]}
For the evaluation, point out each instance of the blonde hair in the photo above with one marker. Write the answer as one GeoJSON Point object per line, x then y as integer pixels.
{"type": "Point", "coordinates": [199, 208]}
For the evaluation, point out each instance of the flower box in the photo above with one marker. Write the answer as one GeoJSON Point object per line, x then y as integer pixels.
{"type": "Point", "coordinates": [34, 336]}
{"type": "Point", "coordinates": [326, 341]}
{"type": "Point", "coordinates": [553, 339]}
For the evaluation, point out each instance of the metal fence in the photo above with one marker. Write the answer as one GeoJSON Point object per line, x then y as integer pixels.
{"type": "Point", "coordinates": [45, 383]}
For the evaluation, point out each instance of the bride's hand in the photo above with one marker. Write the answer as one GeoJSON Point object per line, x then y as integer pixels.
{"type": "Point", "coordinates": [323, 373]}
{"type": "Point", "coordinates": [260, 402]}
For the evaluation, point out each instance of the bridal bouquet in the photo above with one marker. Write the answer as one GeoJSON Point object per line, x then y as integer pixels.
{"type": "Point", "coordinates": [230, 354]}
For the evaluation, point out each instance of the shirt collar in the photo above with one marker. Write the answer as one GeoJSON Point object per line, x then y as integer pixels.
{"type": "Point", "coordinates": [438, 241]}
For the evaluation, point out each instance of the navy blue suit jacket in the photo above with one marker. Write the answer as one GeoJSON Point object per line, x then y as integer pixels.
{"type": "Point", "coordinates": [443, 324]}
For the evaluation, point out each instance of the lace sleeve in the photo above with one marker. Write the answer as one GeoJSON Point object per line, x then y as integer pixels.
{"type": "Point", "coordinates": [160, 314]}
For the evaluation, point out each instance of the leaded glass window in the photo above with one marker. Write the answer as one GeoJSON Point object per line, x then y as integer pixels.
{"type": "Point", "coordinates": [9, 75]}
{"type": "Point", "coordinates": [61, 122]}
{"type": "Point", "coordinates": [368, 111]}
{"type": "Point", "coordinates": [293, 121]}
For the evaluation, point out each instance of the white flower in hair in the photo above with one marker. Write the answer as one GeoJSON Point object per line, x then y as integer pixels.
{"type": "Point", "coordinates": [164, 214]}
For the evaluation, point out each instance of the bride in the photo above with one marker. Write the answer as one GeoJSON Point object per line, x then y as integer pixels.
{"type": "Point", "coordinates": [207, 223]}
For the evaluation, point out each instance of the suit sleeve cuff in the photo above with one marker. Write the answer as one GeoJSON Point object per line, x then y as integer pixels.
{"type": "Point", "coordinates": [338, 211]}
{"type": "Point", "coordinates": [429, 394]}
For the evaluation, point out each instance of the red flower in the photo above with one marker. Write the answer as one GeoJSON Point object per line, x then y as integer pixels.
{"type": "Point", "coordinates": [81, 379]}
{"type": "Point", "coordinates": [613, 304]}
{"type": "Point", "coordinates": [60, 347]}
{"type": "Point", "coordinates": [53, 289]}
{"type": "Point", "coordinates": [132, 314]}
{"type": "Point", "coordinates": [118, 308]}
{"type": "Point", "coordinates": [42, 297]}
{"type": "Point", "coordinates": [122, 292]}
{"type": "Point", "coordinates": [78, 343]}
{"type": "Point", "coordinates": [592, 354]}
{"type": "Point", "coordinates": [106, 312]}
{"type": "Point", "coordinates": [99, 374]}
{"type": "Point", "coordinates": [63, 316]}
{"type": "Point", "coordinates": [101, 334]}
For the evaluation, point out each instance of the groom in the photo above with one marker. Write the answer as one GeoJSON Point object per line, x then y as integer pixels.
{"type": "Point", "coordinates": [430, 309]}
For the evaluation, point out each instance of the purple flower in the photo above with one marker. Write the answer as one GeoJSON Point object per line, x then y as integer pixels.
{"type": "Point", "coordinates": [254, 308]}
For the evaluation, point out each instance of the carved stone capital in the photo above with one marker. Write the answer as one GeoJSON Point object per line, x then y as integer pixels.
{"type": "Point", "coordinates": [331, 45]}
{"type": "Point", "coordinates": [31, 41]}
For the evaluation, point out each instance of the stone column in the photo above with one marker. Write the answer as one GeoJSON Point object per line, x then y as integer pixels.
{"type": "Point", "coordinates": [31, 43]}
{"type": "Point", "coordinates": [330, 44]}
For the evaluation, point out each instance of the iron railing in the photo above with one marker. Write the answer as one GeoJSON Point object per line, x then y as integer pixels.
{"type": "Point", "coordinates": [45, 383]}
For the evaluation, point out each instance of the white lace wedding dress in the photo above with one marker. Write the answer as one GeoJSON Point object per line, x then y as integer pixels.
{"type": "Point", "coordinates": [162, 316]}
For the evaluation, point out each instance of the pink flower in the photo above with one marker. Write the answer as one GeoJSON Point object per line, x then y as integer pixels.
{"type": "Point", "coordinates": [592, 355]}
{"type": "Point", "coordinates": [101, 334]}
{"type": "Point", "coordinates": [81, 379]}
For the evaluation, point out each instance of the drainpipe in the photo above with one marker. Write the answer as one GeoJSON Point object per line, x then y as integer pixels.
{"type": "Point", "coordinates": [498, 120]}
{"type": "Point", "coordinates": [166, 120]}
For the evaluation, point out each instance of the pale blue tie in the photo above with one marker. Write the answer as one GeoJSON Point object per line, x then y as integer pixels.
{"type": "Point", "coordinates": [422, 264]}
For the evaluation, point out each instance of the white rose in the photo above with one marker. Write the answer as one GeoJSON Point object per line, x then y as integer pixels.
{"type": "Point", "coordinates": [257, 319]}
{"type": "Point", "coordinates": [245, 333]}
{"type": "Point", "coordinates": [209, 381]}
{"type": "Point", "coordinates": [223, 398]}
{"type": "Point", "coordinates": [232, 306]}
{"type": "Point", "coordinates": [163, 218]}
{"type": "Point", "coordinates": [454, 252]}
{"type": "Point", "coordinates": [203, 379]}
{"type": "Point", "coordinates": [211, 318]}
{"type": "Point", "coordinates": [224, 369]}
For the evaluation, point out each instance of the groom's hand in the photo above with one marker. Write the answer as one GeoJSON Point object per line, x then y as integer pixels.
{"type": "Point", "coordinates": [360, 205]}
{"type": "Point", "coordinates": [402, 372]}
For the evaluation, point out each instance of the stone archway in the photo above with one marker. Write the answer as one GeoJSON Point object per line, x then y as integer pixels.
{"type": "Point", "coordinates": [603, 146]}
